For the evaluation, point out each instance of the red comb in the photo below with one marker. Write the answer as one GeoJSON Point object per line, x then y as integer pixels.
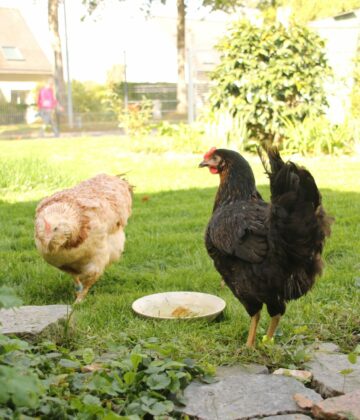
{"type": "Point", "coordinates": [209, 153]}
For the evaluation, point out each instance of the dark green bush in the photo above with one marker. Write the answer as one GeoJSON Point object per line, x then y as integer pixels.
{"type": "Point", "coordinates": [268, 74]}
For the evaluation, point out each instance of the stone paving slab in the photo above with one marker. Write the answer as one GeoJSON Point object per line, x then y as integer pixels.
{"type": "Point", "coordinates": [339, 408]}
{"type": "Point", "coordinates": [300, 375]}
{"type": "Point", "coordinates": [31, 320]}
{"type": "Point", "coordinates": [327, 379]}
{"type": "Point", "coordinates": [224, 371]}
{"type": "Point", "coordinates": [327, 347]}
{"type": "Point", "coordinates": [286, 417]}
{"type": "Point", "coordinates": [245, 395]}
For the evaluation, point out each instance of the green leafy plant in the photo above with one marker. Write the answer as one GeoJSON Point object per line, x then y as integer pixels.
{"type": "Point", "coordinates": [184, 137]}
{"type": "Point", "coordinates": [316, 135]}
{"type": "Point", "coordinates": [89, 97]}
{"type": "Point", "coordinates": [138, 381]}
{"type": "Point", "coordinates": [18, 386]}
{"type": "Point", "coordinates": [270, 73]}
{"type": "Point", "coordinates": [49, 381]}
{"type": "Point", "coordinates": [135, 119]}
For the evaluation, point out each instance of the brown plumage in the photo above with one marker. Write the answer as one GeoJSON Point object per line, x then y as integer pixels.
{"type": "Point", "coordinates": [81, 230]}
{"type": "Point", "coordinates": [267, 253]}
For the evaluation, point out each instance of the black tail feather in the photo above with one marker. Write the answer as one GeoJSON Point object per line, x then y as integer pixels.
{"type": "Point", "coordinates": [298, 223]}
{"type": "Point", "coordinates": [273, 163]}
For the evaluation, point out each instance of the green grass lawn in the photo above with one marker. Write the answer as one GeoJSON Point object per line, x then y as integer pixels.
{"type": "Point", "coordinates": [165, 249]}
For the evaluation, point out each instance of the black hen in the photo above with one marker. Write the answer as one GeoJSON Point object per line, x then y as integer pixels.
{"type": "Point", "coordinates": [265, 252]}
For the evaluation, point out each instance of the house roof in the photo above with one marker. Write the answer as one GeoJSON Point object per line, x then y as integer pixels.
{"type": "Point", "coordinates": [21, 58]}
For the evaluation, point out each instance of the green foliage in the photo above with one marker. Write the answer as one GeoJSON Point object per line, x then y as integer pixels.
{"type": "Point", "coordinates": [355, 94]}
{"type": "Point", "coordinates": [352, 357]}
{"type": "Point", "coordinates": [304, 11]}
{"type": "Point", "coordinates": [89, 97]}
{"type": "Point", "coordinates": [134, 380]}
{"type": "Point", "coordinates": [135, 119]}
{"type": "Point", "coordinates": [267, 74]}
{"type": "Point", "coordinates": [49, 381]}
{"type": "Point", "coordinates": [226, 5]}
{"type": "Point", "coordinates": [183, 138]}
{"type": "Point", "coordinates": [316, 135]}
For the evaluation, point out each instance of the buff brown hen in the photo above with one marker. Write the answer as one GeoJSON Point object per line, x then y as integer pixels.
{"type": "Point", "coordinates": [81, 230]}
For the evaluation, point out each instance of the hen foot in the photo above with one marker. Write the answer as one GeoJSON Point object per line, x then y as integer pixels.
{"type": "Point", "coordinates": [272, 327]}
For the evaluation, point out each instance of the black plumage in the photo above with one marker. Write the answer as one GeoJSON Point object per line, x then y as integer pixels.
{"type": "Point", "coordinates": [267, 253]}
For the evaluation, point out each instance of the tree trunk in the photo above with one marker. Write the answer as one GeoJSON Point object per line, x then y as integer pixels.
{"type": "Point", "coordinates": [181, 84]}
{"type": "Point", "coordinates": [53, 18]}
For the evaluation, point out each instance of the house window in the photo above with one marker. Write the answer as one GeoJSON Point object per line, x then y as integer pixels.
{"type": "Point", "coordinates": [12, 53]}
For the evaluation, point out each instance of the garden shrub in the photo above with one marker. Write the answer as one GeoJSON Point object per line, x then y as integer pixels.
{"type": "Point", "coordinates": [90, 97]}
{"type": "Point", "coordinates": [317, 135]}
{"type": "Point", "coordinates": [184, 137]}
{"type": "Point", "coordinates": [268, 74]}
{"type": "Point", "coordinates": [135, 118]}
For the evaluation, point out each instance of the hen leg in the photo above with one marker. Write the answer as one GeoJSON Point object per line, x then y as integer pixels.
{"type": "Point", "coordinates": [78, 285]}
{"type": "Point", "coordinates": [273, 325]}
{"type": "Point", "coordinates": [87, 282]}
{"type": "Point", "coordinates": [252, 331]}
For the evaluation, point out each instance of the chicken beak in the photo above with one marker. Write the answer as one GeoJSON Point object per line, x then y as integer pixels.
{"type": "Point", "coordinates": [50, 245]}
{"type": "Point", "coordinates": [203, 164]}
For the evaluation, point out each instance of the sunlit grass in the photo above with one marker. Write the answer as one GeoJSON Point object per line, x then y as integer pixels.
{"type": "Point", "coordinates": [165, 249]}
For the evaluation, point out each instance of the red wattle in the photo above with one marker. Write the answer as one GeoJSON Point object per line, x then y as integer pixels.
{"type": "Point", "coordinates": [213, 170]}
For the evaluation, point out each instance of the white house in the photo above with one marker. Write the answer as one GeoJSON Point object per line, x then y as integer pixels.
{"type": "Point", "coordinates": [341, 34]}
{"type": "Point", "coordinates": [22, 62]}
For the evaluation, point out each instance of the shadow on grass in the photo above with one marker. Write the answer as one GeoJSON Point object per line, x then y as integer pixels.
{"type": "Point", "coordinates": [164, 248]}
{"type": "Point", "coordinates": [165, 251]}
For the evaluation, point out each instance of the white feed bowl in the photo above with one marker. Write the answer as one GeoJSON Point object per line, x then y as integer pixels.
{"type": "Point", "coordinates": [179, 305]}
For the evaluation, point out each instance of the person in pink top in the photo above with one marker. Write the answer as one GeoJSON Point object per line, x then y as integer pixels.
{"type": "Point", "coordinates": [47, 105]}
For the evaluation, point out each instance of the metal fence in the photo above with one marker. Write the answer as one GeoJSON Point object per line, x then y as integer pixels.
{"type": "Point", "coordinates": [161, 96]}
